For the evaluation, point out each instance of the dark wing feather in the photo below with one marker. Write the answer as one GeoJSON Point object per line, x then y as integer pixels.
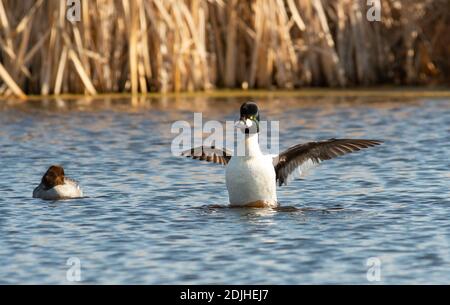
{"type": "Point", "coordinates": [289, 160]}
{"type": "Point", "coordinates": [210, 154]}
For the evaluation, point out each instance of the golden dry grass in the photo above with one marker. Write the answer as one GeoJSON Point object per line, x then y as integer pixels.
{"type": "Point", "coordinates": [142, 46]}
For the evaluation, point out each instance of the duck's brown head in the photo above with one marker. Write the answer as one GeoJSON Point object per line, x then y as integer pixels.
{"type": "Point", "coordinates": [53, 177]}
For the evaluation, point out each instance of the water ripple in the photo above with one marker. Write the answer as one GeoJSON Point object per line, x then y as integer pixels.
{"type": "Point", "coordinates": [153, 218]}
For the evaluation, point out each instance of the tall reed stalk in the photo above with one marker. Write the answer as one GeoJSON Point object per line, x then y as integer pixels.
{"type": "Point", "coordinates": [142, 46]}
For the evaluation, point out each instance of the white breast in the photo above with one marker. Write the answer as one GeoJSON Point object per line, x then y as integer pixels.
{"type": "Point", "coordinates": [250, 180]}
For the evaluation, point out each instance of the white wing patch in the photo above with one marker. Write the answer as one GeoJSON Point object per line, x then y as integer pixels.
{"type": "Point", "coordinates": [300, 171]}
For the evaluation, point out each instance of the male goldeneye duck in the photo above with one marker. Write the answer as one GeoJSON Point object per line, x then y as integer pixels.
{"type": "Point", "coordinates": [252, 179]}
{"type": "Point", "coordinates": [54, 185]}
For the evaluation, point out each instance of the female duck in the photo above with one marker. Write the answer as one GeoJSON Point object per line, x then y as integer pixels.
{"type": "Point", "coordinates": [54, 185]}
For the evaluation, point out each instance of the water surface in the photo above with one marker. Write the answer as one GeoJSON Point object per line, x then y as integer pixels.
{"type": "Point", "coordinates": [149, 216]}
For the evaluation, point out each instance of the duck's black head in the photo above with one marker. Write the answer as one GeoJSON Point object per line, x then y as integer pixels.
{"type": "Point", "coordinates": [250, 111]}
{"type": "Point", "coordinates": [53, 177]}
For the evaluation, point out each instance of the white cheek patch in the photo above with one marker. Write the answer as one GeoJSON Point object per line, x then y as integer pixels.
{"type": "Point", "coordinates": [241, 124]}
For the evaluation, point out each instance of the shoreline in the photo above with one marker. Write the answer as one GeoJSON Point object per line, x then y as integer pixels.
{"type": "Point", "coordinates": [406, 92]}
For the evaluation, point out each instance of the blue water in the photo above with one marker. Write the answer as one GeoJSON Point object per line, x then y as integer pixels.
{"type": "Point", "coordinates": [149, 217]}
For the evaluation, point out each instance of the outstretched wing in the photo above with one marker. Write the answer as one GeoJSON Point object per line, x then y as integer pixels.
{"type": "Point", "coordinates": [210, 154]}
{"type": "Point", "coordinates": [313, 153]}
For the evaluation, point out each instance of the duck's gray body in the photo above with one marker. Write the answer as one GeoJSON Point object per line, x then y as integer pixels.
{"type": "Point", "coordinates": [70, 189]}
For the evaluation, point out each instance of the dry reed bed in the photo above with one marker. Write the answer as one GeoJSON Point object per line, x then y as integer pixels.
{"type": "Point", "coordinates": [142, 46]}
